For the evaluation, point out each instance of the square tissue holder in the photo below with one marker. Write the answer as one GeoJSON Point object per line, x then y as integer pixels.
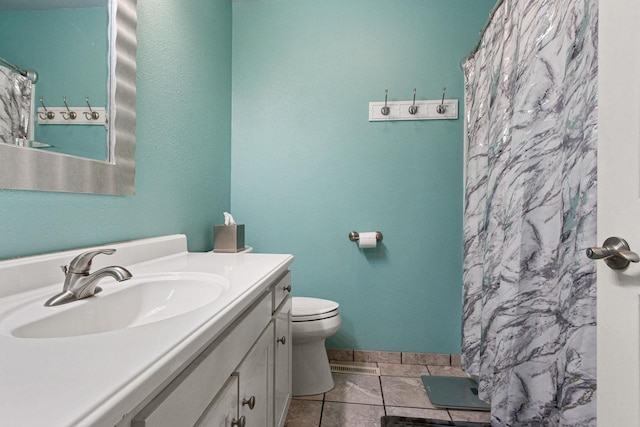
{"type": "Point", "coordinates": [228, 238]}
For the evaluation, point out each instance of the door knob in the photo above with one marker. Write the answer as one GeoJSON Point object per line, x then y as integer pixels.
{"type": "Point", "coordinates": [615, 252]}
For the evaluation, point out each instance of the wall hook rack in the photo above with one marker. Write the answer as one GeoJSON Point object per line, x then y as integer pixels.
{"type": "Point", "coordinates": [439, 109]}
{"type": "Point", "coordinates": [69, 115]}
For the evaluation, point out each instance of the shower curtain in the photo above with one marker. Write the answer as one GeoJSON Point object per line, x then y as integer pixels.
{"type": "Point", "coordinates": [529, 308]}
{"type": "Point", "coordinates": [16, 107]}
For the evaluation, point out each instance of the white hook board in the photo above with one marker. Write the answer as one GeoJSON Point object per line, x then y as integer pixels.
{"type": "Point", "coordinates": [81, 118]}
{"type": "Point", "coordinates": [427, 110]}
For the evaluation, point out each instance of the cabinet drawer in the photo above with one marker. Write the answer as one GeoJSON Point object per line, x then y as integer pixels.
{"type": "Point", "coordinates": [281, 290]}
{"type": "Point", "coordinates": [185, 399]}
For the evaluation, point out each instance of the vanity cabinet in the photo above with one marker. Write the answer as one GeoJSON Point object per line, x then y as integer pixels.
{"type": "Point", "coordinates": [242, 379]}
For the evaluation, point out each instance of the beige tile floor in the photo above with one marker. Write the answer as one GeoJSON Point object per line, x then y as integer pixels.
{"type": "Point", "coordinates": [361, 400]}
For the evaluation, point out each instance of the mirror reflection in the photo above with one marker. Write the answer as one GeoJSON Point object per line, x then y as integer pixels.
{"type": "Point", "coordinates": [66, 42]}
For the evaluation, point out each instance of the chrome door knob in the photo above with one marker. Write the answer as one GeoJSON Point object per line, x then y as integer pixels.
{"type": "Point", "coordinates": [615, 252]}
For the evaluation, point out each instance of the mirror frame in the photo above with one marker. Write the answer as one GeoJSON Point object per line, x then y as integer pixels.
{"type": "Point", "coordinates": [32, 169]}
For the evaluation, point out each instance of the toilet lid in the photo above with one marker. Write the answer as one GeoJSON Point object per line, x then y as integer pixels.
{"type": "Point", "coordinates": [304, 309]}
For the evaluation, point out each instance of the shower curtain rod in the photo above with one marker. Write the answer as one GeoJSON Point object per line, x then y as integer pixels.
{"type": "Point", "coordinates": [32, 75]}
{"type": "Point", "coordinates": [484, 30]}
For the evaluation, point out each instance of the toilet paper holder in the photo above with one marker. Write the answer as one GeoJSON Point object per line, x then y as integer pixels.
{"type": "Point", "coordinates": [354, 236]}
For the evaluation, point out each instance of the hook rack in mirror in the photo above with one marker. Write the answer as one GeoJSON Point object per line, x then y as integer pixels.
{"type": "Point", "coordinates": [67, 115]}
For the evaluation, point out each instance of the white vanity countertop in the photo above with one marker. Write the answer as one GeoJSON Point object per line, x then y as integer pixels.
{"type": "Point", "coordinates": [96, 379]}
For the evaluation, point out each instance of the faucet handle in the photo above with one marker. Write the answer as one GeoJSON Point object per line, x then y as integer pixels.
{"type": "Point", "coordinates": [82, 263]}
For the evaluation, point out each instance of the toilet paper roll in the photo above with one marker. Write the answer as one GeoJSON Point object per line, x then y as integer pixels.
{"type": "Point", "coordinates": [367, 240]}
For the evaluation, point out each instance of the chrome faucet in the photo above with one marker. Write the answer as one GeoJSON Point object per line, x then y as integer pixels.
{"type": "Point", "coordinates": [79, 284]}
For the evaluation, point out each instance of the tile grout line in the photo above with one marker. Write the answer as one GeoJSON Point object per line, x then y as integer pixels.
{"type": "Point", "coordinates": [322, 409]}
{"type": "Point", "coordinates": [384, 404]}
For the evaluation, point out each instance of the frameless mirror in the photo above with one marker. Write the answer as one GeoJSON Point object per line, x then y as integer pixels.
{"type": "Point", "coordinates": [81, 133]}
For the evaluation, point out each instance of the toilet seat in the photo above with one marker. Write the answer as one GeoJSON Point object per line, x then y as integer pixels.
{"type": "Point", "coordinates": [306, 309]}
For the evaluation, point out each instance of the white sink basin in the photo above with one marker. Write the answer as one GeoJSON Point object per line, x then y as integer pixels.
{"type": "Point", "coordinates": [136, 302]}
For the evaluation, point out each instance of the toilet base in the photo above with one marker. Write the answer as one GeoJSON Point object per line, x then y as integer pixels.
{"type": "Point", "coordinates": [311, 373]}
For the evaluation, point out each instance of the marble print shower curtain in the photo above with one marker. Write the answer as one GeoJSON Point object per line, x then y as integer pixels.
{"type": "Point", "coordinates": [530, 212]}
{"type": "Point", "coordinates": [16, 107]}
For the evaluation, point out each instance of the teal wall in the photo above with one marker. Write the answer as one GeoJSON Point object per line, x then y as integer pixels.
{"type": "Point", "coordinates": [308, 167]}
{"type": "Point", "coordinates": [183, 144]}
{"type": "Point", "coordinates": [75, 66]}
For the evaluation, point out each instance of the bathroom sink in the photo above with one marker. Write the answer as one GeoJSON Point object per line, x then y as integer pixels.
{"type": "Point", "coordinates": [139, 301]}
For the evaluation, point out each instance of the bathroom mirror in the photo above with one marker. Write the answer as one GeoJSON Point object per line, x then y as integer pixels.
{"type": "Point", "coordinates": [35, 169]}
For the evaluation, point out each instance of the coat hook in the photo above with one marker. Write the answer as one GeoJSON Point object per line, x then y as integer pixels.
{"type": "Point", "coordinates": [441, 109]}
{"type": "Point", "coordinates": [91, 115]}
{"type": "Point", "coordinates": [47, 114]}
{"type": "Point", "coordinates": [69, 114]}
{"type": "Point", "coordinates": [385, 109]}
{"type": "Point", "coordinates": [413, 109]}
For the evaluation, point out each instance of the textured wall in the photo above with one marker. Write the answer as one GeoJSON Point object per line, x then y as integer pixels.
{"type": "Point", "coordinates": [183, 144]}
{"type": "Point", "coordinates": [308, 167]}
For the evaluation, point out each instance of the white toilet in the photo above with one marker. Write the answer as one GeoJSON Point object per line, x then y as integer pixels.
{"type": "Point", "coordinates": [314, 320]}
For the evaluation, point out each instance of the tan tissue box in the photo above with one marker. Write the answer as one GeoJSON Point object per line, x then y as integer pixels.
{"type": "Point", "coordinates": [228, 238]}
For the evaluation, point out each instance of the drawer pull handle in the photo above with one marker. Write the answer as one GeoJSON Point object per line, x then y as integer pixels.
{"type": "Point", "coordinates": [240, 422]}
{"type": "Point", "coordinates": [251, 402]}
{"type": "Point", "coordinates": [282, 340]}
{"type": "Point", "coordinates": [287, 288]}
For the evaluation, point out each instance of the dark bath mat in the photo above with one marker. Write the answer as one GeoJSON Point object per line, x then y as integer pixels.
{"type": "Point", "coordinates": [454, 393]}
{"type": "Point", "coordinates": [390, 421]}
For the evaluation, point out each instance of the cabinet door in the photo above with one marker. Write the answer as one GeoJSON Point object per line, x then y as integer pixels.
{"type": "Point", "coordinates": [256, 404]}
{"type": "Point", "coordinates": [282, 386]}
{"type": "Point", "coordinates": [223, 411]}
